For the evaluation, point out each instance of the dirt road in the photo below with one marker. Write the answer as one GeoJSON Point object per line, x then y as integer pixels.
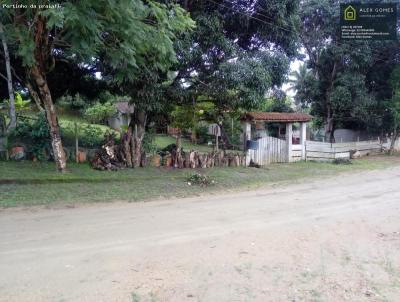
{"type": "Point", "coordinates": [330, 240]}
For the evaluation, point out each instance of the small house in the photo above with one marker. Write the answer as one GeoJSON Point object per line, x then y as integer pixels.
{"type": "Point", "coordinates": [122, 116]}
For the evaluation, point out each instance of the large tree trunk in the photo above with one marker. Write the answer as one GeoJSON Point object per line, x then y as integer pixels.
{"type": "Point", "coordinates": [127, 144]}
{"type": "Point", "coordinates": [51, 115]}
{"type": "Point", "coordinates": [12, 114]}
{"type": "Point", "coordinates": [177, 155]}
{"type": "Point", "coordinates": [44, 62]}
{"type": "Point", "coordinates": [140, 124]}
{"type": "Point", "coordinates": [329, 126]}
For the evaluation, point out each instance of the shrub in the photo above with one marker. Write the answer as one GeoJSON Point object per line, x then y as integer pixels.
{"type": "Point", "coordinates": [91, 136]}
{"type": "Point", "coordinates": [149, 145]}
{"type": "Point", "coordinates": [202, 134]}
{"type": "Point", "coordinates": [200, 180]}
{"type": "Point", "coordinates": [99, 113]}
{"type": "Point", "coordinates": [233, 130]}
{"type": "Point", "coordinates": [35, 134]}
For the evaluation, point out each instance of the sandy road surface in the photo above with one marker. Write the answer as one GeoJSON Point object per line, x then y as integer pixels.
{"type": "Point", "coordinates": [332, 240]}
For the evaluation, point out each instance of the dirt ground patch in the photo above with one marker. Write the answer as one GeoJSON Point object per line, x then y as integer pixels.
{"type": "Point", "coordinates": [336, 239]}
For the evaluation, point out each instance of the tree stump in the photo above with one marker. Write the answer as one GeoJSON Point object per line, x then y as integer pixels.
{"type": "Point", "coordinates": [155, 161]}
{"type": "Point", "coordinates": [168, 160]}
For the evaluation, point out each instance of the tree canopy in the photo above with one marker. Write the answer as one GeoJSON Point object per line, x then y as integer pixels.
{"type": "Point", "coordinates": [168, 56]}
{"type": "Point", "coordinates": [343, 88]}
{"type": "Point", "coordinates": [126, 34]}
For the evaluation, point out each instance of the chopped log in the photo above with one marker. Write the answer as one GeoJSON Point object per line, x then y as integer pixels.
{"type": "Point", "coordinates": [181, 159]}
{"type": "Point", "coordinates": [155, 161]}
{"type": "Point", "coordinates": [210, 160]}
{"type": "Point", "coordinates": [202, 160]}
{"type": "Point", "coordinates": [187, 160]}
{"type": "Point", "coordinates": [108, 157]}
{"type": "Point", "coordinates": [168, 160]}
{"type": "Point", "coordinates": [193, 159]}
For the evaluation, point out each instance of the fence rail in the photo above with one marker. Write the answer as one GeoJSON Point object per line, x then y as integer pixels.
{"type": "Point", "coordinates": [274, 150]}
{"type": "Point", "coordinates": [330, 151]}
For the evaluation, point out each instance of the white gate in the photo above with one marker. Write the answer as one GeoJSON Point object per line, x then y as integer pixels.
{"type": "Point", "coordinates": [270, 150]}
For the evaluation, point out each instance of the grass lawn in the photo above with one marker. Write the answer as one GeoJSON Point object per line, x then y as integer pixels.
{"type": "Point", "coordinates": [30, 183]}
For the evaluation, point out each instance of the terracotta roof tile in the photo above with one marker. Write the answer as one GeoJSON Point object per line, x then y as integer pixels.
{"type": "Point", "coordinates": [277, 117]}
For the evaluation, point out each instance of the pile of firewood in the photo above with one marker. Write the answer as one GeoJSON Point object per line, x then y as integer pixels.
{"type": "Point", "coordinates": [194, 159]}
{"type": "Point", "coordinates": [113, 157]}
{"type": "Point", "coordinates": [109, 157]}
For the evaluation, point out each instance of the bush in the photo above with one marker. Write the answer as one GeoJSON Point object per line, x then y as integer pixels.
{"type": "Point", "coordinates": [35, 134]}
{"type": "Point", "coordinates": [200, 180]}
{"type": "Point", "coordinates": [76, 102]}
{"type": "Point", "coordinates": [149, 145]}
{"type": "Point", "coordinates": [234, 132]}
{"type": "Point", "coordinates": [99, 113]}
{"type": "Point", "coordinates": [202, 134]}
{"type": "Point", "coordinates": [91, 136]}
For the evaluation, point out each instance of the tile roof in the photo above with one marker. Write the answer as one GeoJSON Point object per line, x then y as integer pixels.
{"type": "Point", "coordinates": [277, 117]}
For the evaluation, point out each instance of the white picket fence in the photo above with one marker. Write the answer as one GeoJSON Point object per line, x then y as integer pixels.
{"type": "Point", "coordinates": [321, 151]}
{"type": "Point", "coordinates": [274, 150]}
{"type": "Point", "coordinates": [270, 150]}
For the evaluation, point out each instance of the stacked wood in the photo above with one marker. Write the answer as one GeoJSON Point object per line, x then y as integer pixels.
{"type": "Point", "coordinates": [178, 158]}
{"type": "Point", "coordinates": [155, 160]}
{"type": "Point", "coordinates": [113, 157]}
{"type": "Point", "coordinates": [194, 159]}
{"type": "Point", "coordinates": [109, 157]}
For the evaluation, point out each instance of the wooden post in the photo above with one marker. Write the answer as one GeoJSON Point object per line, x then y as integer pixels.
{"type": "Point", "coordinates": [246, 136]}
{"type": "Point", "coordinates": [76, 143]}
{"type": "Point", "coordinates": [289, 135]}
{"type": "Point", "coordinates": [303, 134]}
{"type": "Point", "coordinates": [246, 133]}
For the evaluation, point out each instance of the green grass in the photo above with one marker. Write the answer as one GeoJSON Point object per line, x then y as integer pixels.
{"type": "Point", "coordinates": [35, 183]}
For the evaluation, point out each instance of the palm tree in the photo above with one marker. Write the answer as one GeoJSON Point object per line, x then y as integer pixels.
{"type": "Point", "coordinates": [302, 82]}
{"type": "Point", "coordinates": [298, 78]}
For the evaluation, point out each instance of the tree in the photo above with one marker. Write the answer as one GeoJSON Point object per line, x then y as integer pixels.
{"type": "Point", "coordinates": [189, 116]}
{"type": "Point", "coordinates": [11, 103]}
{"type": "Point", "coordinates": [340, 91]}
{"type": "Point", "coordinates": [123, 33]}
{"type": "Point", "coordinates": [147, 88]}
{"type": "Point", "coordinates": [303, 83]}
{"type": "Point", "coordinates": [393, 107]}
{"type": "Point", "coordinates": [277, 101]}
{"type": "Point", "coordinates": [235, 54]}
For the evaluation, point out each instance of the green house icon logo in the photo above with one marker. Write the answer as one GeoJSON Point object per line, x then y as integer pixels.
{"type": "Point", "coordinates": [350, 13]}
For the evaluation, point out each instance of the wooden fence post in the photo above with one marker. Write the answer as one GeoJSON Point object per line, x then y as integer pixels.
{"type": "Point", "coordinates": [303, 133]}
{"type": "Point", "coordinates": [289, 135]}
